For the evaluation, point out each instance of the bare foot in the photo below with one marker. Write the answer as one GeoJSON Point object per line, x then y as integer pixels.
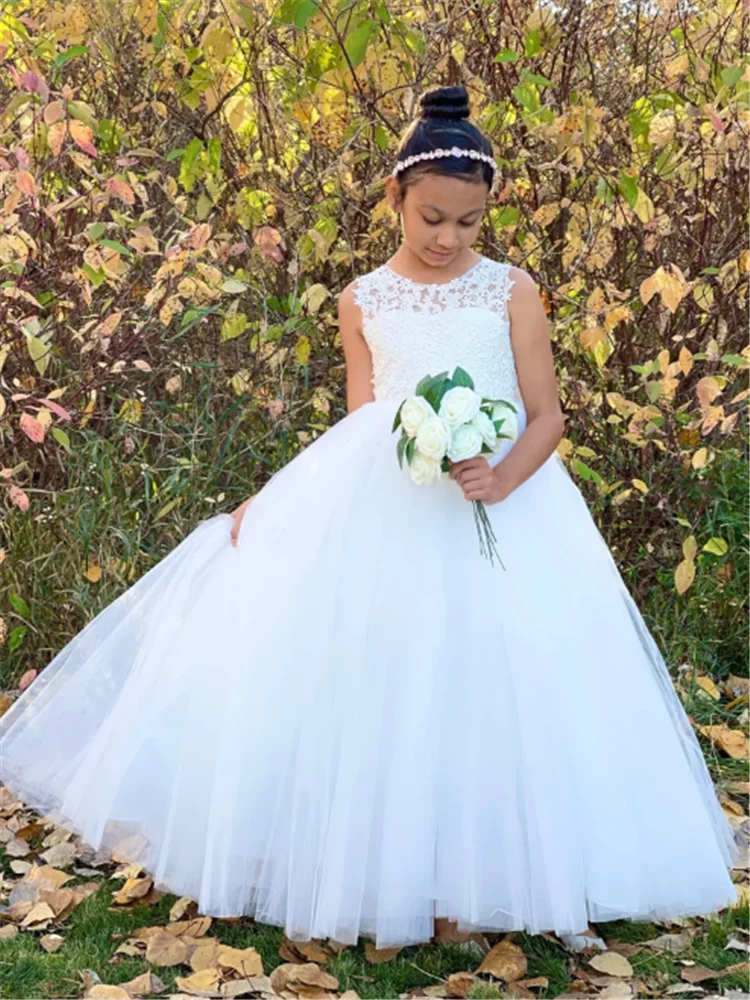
{"type": "Point", "coordinates": [447, 930]}
{"type": "Point", "coordinates": [585, 939]}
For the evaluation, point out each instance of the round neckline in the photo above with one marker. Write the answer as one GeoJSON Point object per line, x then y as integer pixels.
{"type": "Point", "coordinates": [437, 284]}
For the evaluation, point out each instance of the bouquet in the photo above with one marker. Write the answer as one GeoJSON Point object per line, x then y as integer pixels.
{"type": "Point", "coordinates": [447, 421]}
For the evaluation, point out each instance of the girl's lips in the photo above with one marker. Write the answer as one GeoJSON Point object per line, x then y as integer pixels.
{"type": "Point", "coordinates": [442, 256]}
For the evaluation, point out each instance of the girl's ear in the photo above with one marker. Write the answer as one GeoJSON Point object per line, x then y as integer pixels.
{"type": "Point", "coordinates": [394, 193]}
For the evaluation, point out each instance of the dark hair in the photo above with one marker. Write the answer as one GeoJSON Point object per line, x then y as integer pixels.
{"type": "Point", "coordinates": [442, 123]}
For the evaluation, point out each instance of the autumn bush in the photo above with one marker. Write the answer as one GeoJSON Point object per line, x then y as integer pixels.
{"type": "Point", "coordinates": [187, 185]}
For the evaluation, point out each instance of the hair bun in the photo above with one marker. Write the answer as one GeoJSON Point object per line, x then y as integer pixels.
{"type": "Point", "coordinates": [445, 102]}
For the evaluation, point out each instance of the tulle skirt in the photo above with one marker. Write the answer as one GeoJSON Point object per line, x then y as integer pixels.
{"type": "Point", "coordinates": [353, 723]}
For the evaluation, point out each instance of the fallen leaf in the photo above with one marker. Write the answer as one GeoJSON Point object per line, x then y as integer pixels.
{"type": "Point", "coordinates": [195, 927]}
{"type": "Point", "coordinates": [458, 984]}
{"type": "Point", "coordinates": [612, 963]}
{"type": "Point", "coordinates": [736, 686]}
{"type": "Point", "coordinates": [60, 901]}
{"type": "Point", "coordinates": [506, 960]}
{"type": "Point", "coordinates": [735, 944]}
{"type": "Point", "coordinates": [673, 943]}
{"type": "Point", "coordinates": [258, 984]}
{"type": "Point", "coordinates": [707, 685]}
{"type": "Point", "coordinates": [246, 961]}
{"type": "Point", "coordinates": [47, 877]}
{"type": "Point", "coordinates": [613, 991]}
{"type": "Point", "coordinates": [699, 973]}
{"type": "Point", "coordinates": [61, 855]}
{"type": "Point", "coordinates": [93, 572]}
{"type": "Point", "coordinates": [292, 976]}
{"type": "Point", "coordinates": [130, 949]}
{"type": "Point", "coordinates": [200, 983]}
{"type": "Point", "coordinates": [38, 916]}
{"type": "Point", "coordinates": [166, 949]}
{"type": "Point", "coordinates": [732, 741]}
{"type": "Point", "coordinates": [304, 951]}
{"type": "Point", "coordinates": [17, 848]}
{"type": "Point", "coordinates": [378, 955]}
{"type": "Point", "coordinates": [51, 942]}
{"type": "Point", "coordinates": [205, 955]}
{"type": "Point", "coordinates": [144, 985]}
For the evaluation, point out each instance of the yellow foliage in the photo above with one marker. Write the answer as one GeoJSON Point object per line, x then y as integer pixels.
{"type": "Point", "coordinates": [670, 285]}
{"type": "Point", "coordinates": [131, 411]}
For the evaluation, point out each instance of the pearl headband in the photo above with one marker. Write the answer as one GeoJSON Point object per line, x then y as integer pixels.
{"type": "Point", "coordinates": [433, 154]}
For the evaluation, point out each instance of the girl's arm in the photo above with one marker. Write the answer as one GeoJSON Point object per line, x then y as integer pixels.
{"type": "Point", "coordinates": [359, 388]}
{"type": "Point", "coordinates": [537, 382]}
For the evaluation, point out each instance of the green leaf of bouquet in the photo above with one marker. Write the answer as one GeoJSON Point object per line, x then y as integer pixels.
{"type": "Point", "coordinates": [400, 450]}
{"type": "Point", "coordinates": [433, 396]}
{"type": "Point", "coordinates": [411, 447]}
{"type": "Point", "coordinates": [429, 381]}
{"type": "Point", "coordinates": [461, 377]}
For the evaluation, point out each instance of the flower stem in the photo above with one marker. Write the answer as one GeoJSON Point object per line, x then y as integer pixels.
{"type": "Point", "coordinates": [487, 539]}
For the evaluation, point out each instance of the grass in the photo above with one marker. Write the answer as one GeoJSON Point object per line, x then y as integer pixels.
{"type": "Point", "coordinates": [94, 930]}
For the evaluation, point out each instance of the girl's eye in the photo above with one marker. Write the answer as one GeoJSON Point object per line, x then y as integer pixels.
{"type": "Point", "coordinates": [431, 222]}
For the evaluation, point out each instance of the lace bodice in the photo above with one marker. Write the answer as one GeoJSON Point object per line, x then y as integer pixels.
{"type": "Point", "coordinates": [414, 329]}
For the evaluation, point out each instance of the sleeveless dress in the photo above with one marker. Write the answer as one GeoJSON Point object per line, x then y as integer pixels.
{"type": "Point", "coordinates": [353, 723]}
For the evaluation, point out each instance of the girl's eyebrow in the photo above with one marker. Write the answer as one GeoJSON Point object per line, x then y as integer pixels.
{"type": "Point", "coordinates": [470, 212]}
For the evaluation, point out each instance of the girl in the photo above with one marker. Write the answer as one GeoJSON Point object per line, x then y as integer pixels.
{"type": "Point", "coordinates": [351, 722]}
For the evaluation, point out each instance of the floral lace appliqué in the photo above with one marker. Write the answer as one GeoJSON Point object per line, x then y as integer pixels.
{"type": "Point", "coordinates": [413, 329]}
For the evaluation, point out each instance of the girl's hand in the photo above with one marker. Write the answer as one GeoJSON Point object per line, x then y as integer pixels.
{"type": "Point", "coordinates": [478, 479]}
{"type": "Point", "coordinates": [238, 514]}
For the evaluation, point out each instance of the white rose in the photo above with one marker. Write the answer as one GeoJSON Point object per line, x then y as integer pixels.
{"type": "Point", "coordinates": [485, 427]}
{"type": "Point", "coordinates": [414, 411]}
{"type": "Point", "coordinates": [466, 442]}
{"type": "Point", "coordinates": [423, 470]}
{"type": "Point", "coordinates": [459, 405]}
{"type": "Point", "coordinates": [509, 425]}
{"type": "Point", "coordinates": [433, 438]}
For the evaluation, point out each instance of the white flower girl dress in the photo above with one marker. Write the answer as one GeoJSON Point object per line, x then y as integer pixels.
{"type": "Point", "coordinates": [353, 722]}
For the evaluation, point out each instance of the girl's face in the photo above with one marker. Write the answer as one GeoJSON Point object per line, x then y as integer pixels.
{"type": "Point", "coordinates": [440, 216]}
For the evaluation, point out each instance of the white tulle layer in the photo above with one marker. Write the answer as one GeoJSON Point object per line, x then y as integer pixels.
{"type": "Point", "coordinates": [353, 723]}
